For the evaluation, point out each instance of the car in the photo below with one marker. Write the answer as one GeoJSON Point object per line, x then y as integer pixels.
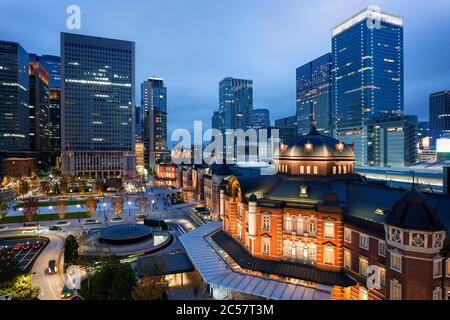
{"type": "Point", "coordinates": [52, 269]}
{"type": "Point", "coordinates": [27, 246]}
{"type": "Point", "coordinates": [55, 228]}
{"type": "Point", "coordinates": [37, 245]}
{"type": "Point", "coordinates": [66, 293]}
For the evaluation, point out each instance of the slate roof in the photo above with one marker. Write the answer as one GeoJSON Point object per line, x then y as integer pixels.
{"type": "Point", "coordinates": [282, 268]}
{"type": "Point", "coordinates": [166, 264]}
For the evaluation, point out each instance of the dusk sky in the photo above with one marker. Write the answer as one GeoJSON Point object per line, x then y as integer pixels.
{"type": "Point", "coordinates": [193, 44]}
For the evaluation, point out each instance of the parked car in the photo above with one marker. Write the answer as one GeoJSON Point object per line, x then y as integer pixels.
{"type": "Point", "coordinates": [55, 228]}
{"type": "Point", "coordinates": [52, 269]}
{"type": "Point", "coordinates": [17, 247]}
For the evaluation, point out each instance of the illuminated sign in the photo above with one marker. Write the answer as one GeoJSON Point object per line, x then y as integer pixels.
{"type": "Point", "coordinates": [443, 145]}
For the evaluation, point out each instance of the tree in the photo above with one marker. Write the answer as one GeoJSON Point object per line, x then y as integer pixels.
{"type": "Point", "coordinates": [82, 186]}
{"type": "Point", "coordinates": [114, 281]}
{"type": "Point", "coordinates": [117, 204]}
{"type": "Point", "coordinates": [61, 209]}
{"type": "Point", "coordinates": [3, 208]}
{"type": "Point", "coordinates": [9, 268]}
{"type": "Point", "coordinates": [24, 187]}
{"type": "Point", "coordinates": [152, 286]}
{"type": "Point", "coordinates": [91, 206]}
{"type": "Point", "coordinates": [45, 187]}
{"type": "Point", "coordinates": [63, 186]}
{"type": "Point", "coordinates": [142, 202]}
{"type": "Point", "coordinates": [5, 181]}
{"type": "Point", "coordinates": [30, 208]}
{"type": "Point", "coordinates": [71, 250]}
{"type": "Point", "coordinates": [21, 289]}
{"type": "Point", "coordinates": [100, 187]}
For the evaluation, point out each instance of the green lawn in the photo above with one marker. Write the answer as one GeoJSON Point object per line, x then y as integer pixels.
{"type": "Point", "coordinates": [43, 217]}
{"type": "Point", "coordinates": [55, 203]}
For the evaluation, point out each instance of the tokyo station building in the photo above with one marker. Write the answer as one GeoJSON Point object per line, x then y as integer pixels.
{"type": "Point", "coordinates": [316, 224]}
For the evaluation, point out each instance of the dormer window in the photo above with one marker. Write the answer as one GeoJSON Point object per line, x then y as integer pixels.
{"type": "Point", "coordinates": [304, 191]}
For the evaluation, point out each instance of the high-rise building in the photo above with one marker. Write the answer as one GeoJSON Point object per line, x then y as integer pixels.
{"type": "Point", "coordinates": [97, 104]}
{"type": "Point", "coordinates": [138, 123]}
{"type": "Point", "coordinates": [154, 109]}
{"type": "Point", "coordinates": [236, 103]}
{"type": "Point", "coordinates": [392, 142]}
{"type": "Point", "coordinates": [14, 97]}
{"type": "Point", "coordinates": [261, 119]}
{"type": "Point", "coordinates": [216, 121]}
{"type": "Point", "coordinates": [287, 128]}
{"type": "Point", "coordinates": [367, 53]}
{"type": "Point", "coordinates": [53, 65]}
{"type": "Point", "coordinates": [290, 122]}
{"type": "Point", "coordinates": [314, 95]}
{"type": "Point", "coordinates": [439, 113]}
{"type": "Point", "coordinates": [39, 107]}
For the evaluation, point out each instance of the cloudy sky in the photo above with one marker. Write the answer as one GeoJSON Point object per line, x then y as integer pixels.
{"type": "Point", "coordinates": [193, 44]}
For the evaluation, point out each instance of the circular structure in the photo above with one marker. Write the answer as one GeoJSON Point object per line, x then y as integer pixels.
{"type": "Point", "coordinates": [125, 234]}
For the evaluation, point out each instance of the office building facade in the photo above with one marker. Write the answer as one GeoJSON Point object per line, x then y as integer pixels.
{"type": "Point", "coordinates": [392, 142]}
{"type": "Point", "coordinates": [14, 97]}
{"type": "Point", "coordinates": [97, 104]}
{"type": "Point", "coordinates": [314, 95]}
{"type": "Point", "coordinates": [154, 114]}
{"type": "Point", "coordinates": [236, 103]}
{"type": "Point", "coordinates": [261, 119]}
{"type": "Point", "coordinates": [367, 75]}
{"type": "Point", "coordinates": [439, 112]}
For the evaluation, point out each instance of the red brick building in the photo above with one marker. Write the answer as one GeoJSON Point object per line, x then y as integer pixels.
{"type": "Point", "coordinates": [316, 222]}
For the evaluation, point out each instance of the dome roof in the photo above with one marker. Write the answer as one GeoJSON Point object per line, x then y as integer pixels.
{"type": "Point", "coordinates": [314, 145]}
{"type": "Point", "coordinates": [412, 211]}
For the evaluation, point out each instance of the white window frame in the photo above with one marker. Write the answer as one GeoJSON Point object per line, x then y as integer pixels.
{"type": "Point", "coordinates": [382, 277]}
{"type": "Point", "coordinates": [360, 269]}
{"type": "Point", "coordinates": [364, 236]}
{"type": "Point", "coordinates": [265, 245]}
{"type": "Point", "coordinates": [399, 270]}
{"type": "Point", "coordinates": [264, 220]}
{"type": "Point", "coordinates": [328, 255]}
{"type": "Point", "coordinates": [437, 266]}
{"type": "Point", "coordinates": [348, 232]}
{"type": "Point", "coordinates": [347, 260]}
{"type": "Point", "coordinates": [437, 293]}
{"type": "Point", "coordinates": [396, 290]}
{"type": "Point", "coordinates": [382, 244]}
{"type": "Point", "coordinates": [329, 229]}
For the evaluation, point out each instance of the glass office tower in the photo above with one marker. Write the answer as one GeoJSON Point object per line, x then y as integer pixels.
{"type": "Point", "coordinates": [97, 104]}
{"type": "Point", "coordinates": [154, 115]}
{"type": "Point", "coordinates": [39, 108]}
{"type": "Point", "coordinates": [236, 103]}
{"type": "Point", "coordinates": [14, 97]}
{"type": "Point", "coordinates": [314, 95]}
{"type": "Point", "coordinates": [53, 65]}
{"type": "Point", "coordinates": [440, 113]}
{"type": "Point", "coordinates": [367, 53]}
{"type": "Point", "coordinates": [261, 119]}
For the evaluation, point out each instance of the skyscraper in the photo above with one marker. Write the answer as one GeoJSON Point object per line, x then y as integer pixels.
{"type": "Point", "coordinates": [236, 103]}
{"type": "Point", "coordinates": [314, 94]}
{"type": "Point", "coordinates": [154, 109]}
{"type": "Point", "coordinates": [14, 97]}
{"type": "Point", "coordinates": [53, 65]}
{"type": "Point", "coordinates": [367, 53]}
{"type": "Point", "coordinates": [439, 113]}
{"type": "Point", "coordinates": [97, 103]}
{"type": "Point", "coordinates": [39, 107]}
{"type": "Point", "coordinates": [261, 119]}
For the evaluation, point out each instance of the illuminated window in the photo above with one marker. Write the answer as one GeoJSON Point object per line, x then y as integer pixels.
{"type": "Point", "coordinates": [302, 169]}
{"type": "Point", "coordinates": [396, 262]}
{"type": "Point", "coordinates": [334, 170]}
{"type": "Point", "coordinates": [312, 226]}
{"type": "Point", "coordinates": [437, 294]}
{"type": "Point", "coordinates": [347, 235]}
{"type": "Point", "coordinates": [329, 230]}
{"type": "Point", "coordinates": [382, 276]}
{"type": "Point", "coordinates": [266, 246]}
{"type": "Point", "coordinates": [308, 169]}
{"type": "Point", "coordinates": [437, 268]}
{"type": "Point", "coordinates": [328, 255]}
{"type": "Point", "coordinates": [347, 260]}
{"type": "Point", "coordinates": [363, 265]}
{"type": "Point", "coordinates": [288, 223]}
{"type": "Point", "coordinates": [396, 290]}
{"type": "Point", "coordinates": [316, 170]}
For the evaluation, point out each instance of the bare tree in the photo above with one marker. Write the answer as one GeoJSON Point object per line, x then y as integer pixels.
{"type": "Point", "coordinates": [91, 206]}
{"type": "Point", "coordinates": [142, 202]}
{"type": "Point", "coordinates": [117, 204]}
{"type": "Point", "coordinates": [61, 209]}
{"type": "Point", "coordinates": [30, 208]}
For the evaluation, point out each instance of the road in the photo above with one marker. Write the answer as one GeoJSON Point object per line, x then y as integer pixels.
{"type": "Point", "coordinates": [51, 285]}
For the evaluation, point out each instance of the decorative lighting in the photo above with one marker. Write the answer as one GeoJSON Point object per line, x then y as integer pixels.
{"type": "Point", "coordinates": [340, 146]}
{"type": "Point", "coordinates": [308, 146]}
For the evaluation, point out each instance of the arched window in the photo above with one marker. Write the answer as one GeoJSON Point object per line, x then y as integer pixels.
{"type": "Point", "coordinates": [312, 226]}
{"type": "Point", "coordinates": [288, 223]}
{"type": "Point", "coordinates": [300, 225]}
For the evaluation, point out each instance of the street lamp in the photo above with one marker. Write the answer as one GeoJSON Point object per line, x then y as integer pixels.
{"type": "Point", "coordinates": [129, 208]}
{"type": "Point", "coordinates": [51, 212]}
{"type": "Point", "coordinates": [153, 206]}
{"type": "Point", "coordinates": [78, 211]}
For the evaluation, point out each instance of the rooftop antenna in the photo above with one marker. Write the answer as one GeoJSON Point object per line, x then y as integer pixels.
{"type": "Point", "coordinates": [313, 122]}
